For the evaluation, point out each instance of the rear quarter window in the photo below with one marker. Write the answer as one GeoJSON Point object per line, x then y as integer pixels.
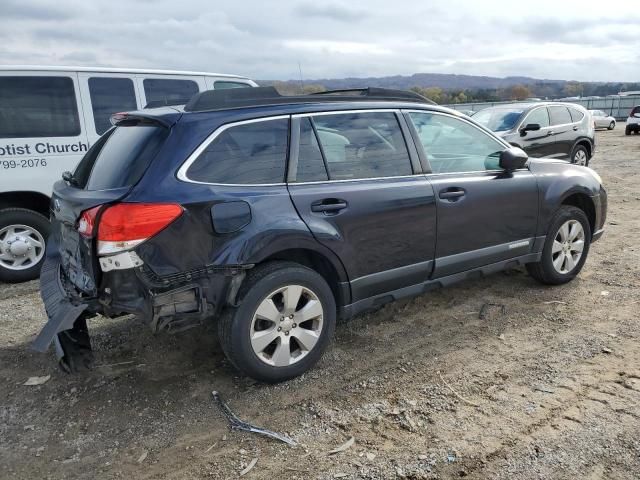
{"type": "Point", "coordinates": [252, 153]}
{"type": "Point", "coordinates": [38, 106]}
{"type": "Point", "coordinates": [577, 115]}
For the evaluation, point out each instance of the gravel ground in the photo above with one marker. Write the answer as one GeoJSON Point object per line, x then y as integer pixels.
{"type": "Point", "coordinates": [548, 387]}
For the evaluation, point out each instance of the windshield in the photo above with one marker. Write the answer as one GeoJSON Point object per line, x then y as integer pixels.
{"type": "Point", "coordinates": [120, 157]}
{"type": "Point", "coordinates": [498, 119]}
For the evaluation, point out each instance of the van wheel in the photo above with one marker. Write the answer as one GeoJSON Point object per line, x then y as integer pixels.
{"type": "Point", "coordinates": [580, 156]}
{"type": "Point", "coordinates": [22, 244]}
{"type": "Point", "coordinates": [565, 248]}
{"type": "Point", "coordinates": [283, 325]}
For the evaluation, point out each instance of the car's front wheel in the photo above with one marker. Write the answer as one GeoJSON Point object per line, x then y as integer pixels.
{"type": "Point", "coordinates": [580, 156]}
{"type": "Point", "coordinates": [565, 249]}
{"type": "Point", "coordinates": [283, 324]}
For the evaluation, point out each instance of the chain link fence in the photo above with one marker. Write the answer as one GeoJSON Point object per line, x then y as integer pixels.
{"type": "Point", "coordinates": [617, 106]}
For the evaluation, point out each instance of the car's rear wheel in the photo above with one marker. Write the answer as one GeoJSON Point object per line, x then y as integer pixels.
{"type": "Point", "coordinates": [580, 156]}
{"type": "Point", "coordinates": [22, 244]}
{"type": "Point", "coordinates": [627, 130]}
{"type": "Point", "coordinates": [565, 249]}
{"type": "Point", "coordinates": [612, 125]}
{"type": "Point", "coordinates": [285, 320]}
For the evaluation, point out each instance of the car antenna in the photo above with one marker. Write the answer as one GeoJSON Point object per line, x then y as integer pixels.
{"type": "Point", "coordinates": [301, 81]}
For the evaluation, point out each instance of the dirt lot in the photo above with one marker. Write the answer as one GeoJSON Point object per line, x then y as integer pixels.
{"type": "Point", "coordinates": [548, 387]}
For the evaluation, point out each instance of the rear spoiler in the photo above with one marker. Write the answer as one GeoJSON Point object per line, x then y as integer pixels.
{"type": "Point", "coordinates": [167, 118]}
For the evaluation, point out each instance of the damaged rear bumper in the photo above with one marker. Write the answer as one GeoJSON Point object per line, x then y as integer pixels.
{"type": "Point", "coordinates": [170, 303]}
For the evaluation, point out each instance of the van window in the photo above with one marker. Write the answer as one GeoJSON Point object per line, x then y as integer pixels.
{"type": "Point", "coordinates": [109, 96]}
{"type": "Point", "coordinates": [123, 157]}
{"type": "Point", "coordinates": [252, 153]}
{"type": "Point", "coordinates": [222, 84]}
{"type": "Point", "coordinates": [34, 106]}
{"type": "Point", "coordinates": [168, 91]}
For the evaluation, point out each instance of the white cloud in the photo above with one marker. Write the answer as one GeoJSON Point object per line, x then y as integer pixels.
{"type": "Point", "coordinates": [267, 40]}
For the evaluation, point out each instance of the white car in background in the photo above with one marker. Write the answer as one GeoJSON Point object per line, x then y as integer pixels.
{"type": "Point", "coordinates": [602, 120]}
{"type": "Point", "coordinates": [49, 117]}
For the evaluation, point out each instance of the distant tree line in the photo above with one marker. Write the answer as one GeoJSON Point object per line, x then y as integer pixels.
{"type": "Point", "coordinates": [541, 89]}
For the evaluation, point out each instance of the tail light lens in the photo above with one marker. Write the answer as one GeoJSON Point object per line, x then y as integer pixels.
{"type": "Point", "coordinates": [87, 222]}
{"type": "Point", "coordinates": [125, 225]}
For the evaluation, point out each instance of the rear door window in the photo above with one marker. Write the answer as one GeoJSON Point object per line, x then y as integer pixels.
{"type": "Point", "coordinates": [311, 165]}
{"type": "Point", "coordinates": [109, 96]}
{"type": "Point", "coordinates": [122, 157]}
{"type": "Point", "coordinates": [38, 106]}
{"type": "Point", "coordinates": [247, 154]}
{"type": "Point", "coordinates": [559, 115]}
{"type": "Point", "coordinates": [362, 145]}
{"type": "Point", "coordinates": [168, 91]}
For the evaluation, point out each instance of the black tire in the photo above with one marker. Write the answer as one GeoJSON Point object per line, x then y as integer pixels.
{"type": "Point", "coordinates": [574, 154]}
{"type": "Point", "coordinates": [612, 125]}
{"type": "Point", "coordinates": [544, 271]}
{"type": "Point", "coordinates": [627, 131]}
{"type": "Point", "coordinates": [235, 325]}
{"type": "Point", "coordinates": [34, 220]}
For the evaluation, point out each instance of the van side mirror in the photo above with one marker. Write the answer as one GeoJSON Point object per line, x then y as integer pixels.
{"type": "Point", "coordinates": [529, 127]}
{"type": "Point", "coordinates": [513, 158]}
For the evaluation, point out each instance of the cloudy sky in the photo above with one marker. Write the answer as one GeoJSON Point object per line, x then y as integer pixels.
{"type": "Point", "coordinates": [581, 40]}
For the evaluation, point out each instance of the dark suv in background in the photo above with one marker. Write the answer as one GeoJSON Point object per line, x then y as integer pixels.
{"type": "Point", "coordinates": [544, 129]}
{"type": "Point", "coordinates": [277, 215]}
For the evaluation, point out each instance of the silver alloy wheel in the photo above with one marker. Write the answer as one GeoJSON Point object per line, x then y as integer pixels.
{"type": "Point", "coordinates": [580, 157]}
{"type": "Point", "coordinates": [568, 245]}
{"type": "Point", "coordinates": [21, 247]}
{"type": "Point", "coordinates": [286, 325]}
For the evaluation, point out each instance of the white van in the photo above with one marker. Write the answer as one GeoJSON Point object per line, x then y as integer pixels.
{"type": "Point", "coordinates": [49, 117]}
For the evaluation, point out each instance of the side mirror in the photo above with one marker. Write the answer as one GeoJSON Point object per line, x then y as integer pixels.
{"type": "Point", "coordinates": [529, 127]}
{"type": "Point", "coordinates": [513, 158]}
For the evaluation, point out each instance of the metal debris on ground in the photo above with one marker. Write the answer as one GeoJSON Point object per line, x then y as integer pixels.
{"type": "Point", "coordinates": [484, 310]}
{"type": "Point", "coordinates": [249, 467]}
{"type": "Point", "coordinates": [37, 380]}
{"type": "Point", "coordinates": [342, 447]}
{"type": "Point", "coordinates": [237, 424]}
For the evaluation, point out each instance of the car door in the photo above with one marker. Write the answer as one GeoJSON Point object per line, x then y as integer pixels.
{"type": "Point", "coordinates": [358, 188]}
{"type": "Point", "coordinates": [537, 143]}
{"type": "Point", "coordinates": [564, 131]}
{"type": "Point", "coordinates": [485, 215]}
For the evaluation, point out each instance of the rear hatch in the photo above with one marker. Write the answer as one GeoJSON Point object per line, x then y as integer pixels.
{"type": "Point", "coordinates": [107, 173]}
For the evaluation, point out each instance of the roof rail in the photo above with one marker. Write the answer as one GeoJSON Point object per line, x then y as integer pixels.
{"type": "Point", "coordinates": [259, 96]}
{"type": "Point", "coordinates": [376, 92]}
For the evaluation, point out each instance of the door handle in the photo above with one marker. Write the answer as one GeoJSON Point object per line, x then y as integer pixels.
{"type": "Point", "coordinates": [549, 132]}
{"type": "Point", "coordinates": [452, 193]}
{"type": "Point", "coordinates": [329, 205]}
{"type": "Point", "coordinates": [575, 128]}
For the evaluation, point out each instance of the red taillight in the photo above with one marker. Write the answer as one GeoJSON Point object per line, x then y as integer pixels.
{"type": "Point", "coordinates": [125, 225]}
{"type": "Point", "coordinates": [87, 221]}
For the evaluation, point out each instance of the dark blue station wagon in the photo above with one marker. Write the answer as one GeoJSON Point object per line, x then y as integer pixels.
{"type": "Point", "coordinates": [276, 216]}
